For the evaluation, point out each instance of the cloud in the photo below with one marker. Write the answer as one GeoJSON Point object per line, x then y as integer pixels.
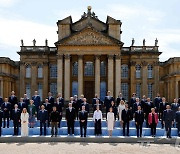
{"type": "Point", "coordinates": [7, 3]}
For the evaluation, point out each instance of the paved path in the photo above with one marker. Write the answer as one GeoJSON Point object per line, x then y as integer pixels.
{"type": "Point", "coordinates": [86, 148]}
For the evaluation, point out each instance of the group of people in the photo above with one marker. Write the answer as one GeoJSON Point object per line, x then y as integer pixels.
{"type": "Point", "coordinates": [50, 112]}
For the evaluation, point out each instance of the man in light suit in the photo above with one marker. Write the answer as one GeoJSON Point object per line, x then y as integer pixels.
{"type": "Point", "coordinates": [168, 119]}
{"type": "Point", "coordinates": [178, 121]}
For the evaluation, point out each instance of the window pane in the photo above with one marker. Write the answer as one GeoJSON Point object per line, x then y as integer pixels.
{"type": "Point", "coordinates": [102, 90]}
{"type": "Point", "coordinates": [150, 90]}
{"type": "Point", "coordinates": [53, 71]}
{"type": "Point", "coordinates": [138, 71]}
{"type": "Point", "coordinates": [89, 69]}
{"type": "Point", "coordinates": [28, 90]}
{"type": "Point", "coordinates": [103, 68]}
{"type": "Point", "coordinates": [74, 88]}
{"type": "Point", "coordinates": [75, 69]}
{"type": "Point", "coordinates": [138, 90]}
{"type": "Point", "coordinates": [40, 90]}
{"type": "Point", "coordinates": [125, 90]}
{"type": "Point", "coordinates": [150, 71]}
{"type": "Point", "coordinates": [53, 88]}
{"type": "Point", "coordinates": [40, 71]}
{"type": "Point", "coordinates": [28, 71]}
{"type": "Point", "coordinates": [124, 71]}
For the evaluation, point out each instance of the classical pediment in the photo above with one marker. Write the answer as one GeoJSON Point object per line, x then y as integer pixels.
{"type": "Point", "coordinates": [89, 36]}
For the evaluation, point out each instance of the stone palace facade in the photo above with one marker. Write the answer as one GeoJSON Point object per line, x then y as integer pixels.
{"type": "Point", "coordinates": [89, 58]}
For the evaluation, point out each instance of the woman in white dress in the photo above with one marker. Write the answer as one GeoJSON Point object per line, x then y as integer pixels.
{"type": "Point", "coordinates": [110, 121]}
{"type": "Point", "coordinates": [24, 122]}
{"type": "Point", "coordinates": [120, 108]}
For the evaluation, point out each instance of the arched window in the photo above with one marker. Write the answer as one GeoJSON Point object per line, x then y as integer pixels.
{"type": "Point", "coordinates": [28, 71]}
{"type": "Point", "coordinates": [53, 71]}
{"type": "Point", "coordinates": [124, 71]}
{"type": "Point", "coordinates": [103, 68]}
{"type": "Point", "coordinates": [89, 69]}
{"type": "Point", "coordinates": [40, 71]}
{"type": "Point", "coordinates": [102, 90]}
{"type": "Point", "coordinates": [138, 71]}
{"type": "Point", "coordinates": [150, 71]}
{"type": "Point", "coordinates": [74, 88]}
{"type": "Point", "coordinates": [75, 69]}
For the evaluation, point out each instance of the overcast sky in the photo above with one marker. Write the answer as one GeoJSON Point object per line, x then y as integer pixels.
{"type": "Point", "coordinates": [149, 19]}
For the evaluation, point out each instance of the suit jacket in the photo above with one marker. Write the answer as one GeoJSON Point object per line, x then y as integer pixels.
{"type": "Point", "coordinates": [126, 116]}
{"type": "Point", "coordinates": [162, 107]}
{"type": "Point", "coordinates": [70, 116]}
{"type": "Point", "coordinates": [26, 101]}
{"type": "Point", "coordinates": [83, 116]}
{"type": "Point", "coordinates": [178, 117]}
{"type": "Point", "coordinates": [107, 101]}
{"type": "Point", "coordinates": [7, 107]}
{"type": "Point", "coordinates": [43, 116]}
{"type": "Point", "coordinates": [114, 109]}
{"type": "Point", "coordinates": [157, 101]}
{"type": "Point", "coordinates": [132, 101]}
{"type": "Point", "coordinates": [168, 116]}
{"type": "Point", "coordinates": [61, 100]}
{"type": "Point", "coordinates": [147, 107]}
{"type": "Point", "coordinates": [13, 101]}
{"type": "Point", "coordinates": [79, 102]}
{"type": "Point", "coordinates": [150, 118]}
{"type": "Point", "coordinates": [21, 106]}
{"type": "Point", "coordinates": [175, 107]}
{"type": "Point", "coordinates": [48, 107]}
{"type": "Point", "coordinates": [1, 101]}
{"type": "Point", "coordinates": [135, 106]}
{"type": "Point", "coordinates": [16, 115]}
{"type": "Point", "coordinates": [94, 101]}
{"type": "Point", "coordinates": [139, 117]}
{"type": "Point", "coordinates": [86, 106]}
{"type": "Point", "coordinates": [37, 100]}
{"type": "Point", "coordinates": [143, 103]}
{"type": "Point", "coordinates": [51, 100]}
{"type": "Point", "coordinates": [54, 116]}
{"type": "Point", "coordinates": [58, 107]}
{"type": "Point", "coordinates": [33, 109]}
{"type": "Point", "coordinates": [118, 99]}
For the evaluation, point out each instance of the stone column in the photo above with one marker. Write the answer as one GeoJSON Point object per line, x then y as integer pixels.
{"type": "Point", "coordinates": [118, 75]}
{"type": "Point", "coordinates": [80, 75]}
{"type": "Point", "coordinates": [97, 75]}
{"type": "Point", "coordinates": [45, 79]}
{"type": "Point", "coordinates": [67, 77]}
{"type": "Point", "coordinates": [144, 90]}
{"type": "Point", "coordinates": [156, 77]}
{"type": "Point", "coordinates": [132, 78]}
{"type": "Point", "coordinates": [21, 79]}
{"type": "Point", "coordinates": [34, 83]}
{"type": "Point", "coordinates": [2, 89]}
{"type": "Point", "coordinates": [59, 73]}
{"type": "Point", "coordinates": [111, 74]}
{"type": "Point", "coordinates": [176, 89]}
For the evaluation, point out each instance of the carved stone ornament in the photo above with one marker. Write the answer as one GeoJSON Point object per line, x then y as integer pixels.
{"type": "Point", "coordinates": [33, 63]}
{"type": "Point", "coordinates": [132, 63]}
{"type": "Point", "coordinates": [144, 63]}
{"type": "Point", "coordinates": [88, 37]}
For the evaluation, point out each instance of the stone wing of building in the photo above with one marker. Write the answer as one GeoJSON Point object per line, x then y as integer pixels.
{"type": "Point", "coordinates": [89, 36]}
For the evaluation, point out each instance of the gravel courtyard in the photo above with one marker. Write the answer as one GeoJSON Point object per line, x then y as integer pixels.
{"type": "Point", "coordinates": [87, 148]}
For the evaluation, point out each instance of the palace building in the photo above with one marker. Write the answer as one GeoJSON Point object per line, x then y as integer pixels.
{"type": "Point", "coordinates": [89, 58]}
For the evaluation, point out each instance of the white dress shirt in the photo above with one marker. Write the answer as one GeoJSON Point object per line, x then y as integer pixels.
{"type": "Point", "coordinates": [97, 115]}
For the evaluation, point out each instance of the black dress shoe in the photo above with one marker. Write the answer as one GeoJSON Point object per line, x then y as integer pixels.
{"type": "Point", "coordinates": [52, 135]}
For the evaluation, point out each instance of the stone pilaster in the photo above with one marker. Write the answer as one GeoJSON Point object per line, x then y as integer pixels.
{"type": "Point", "coordinates": [97, 74]}
{"type": "Point", "coordinates": [59, 73]}
{"type": "Point", "coordinates": [156, 77]}
{"type": "Point", "coordinates": [132, 78]}
{"type": "Point", "coordinates": [176, 89]}
{"type": "Point", "coordinates": [45, 79]}
{"type": "Point", "coordinates": [2, 89]}
{"type": "Point", "coordinates": [111, 74]}
{"type": "Point", "coordinates": [21, 79]}
{"type": "Point", "coordinates": [34, 77]}
{"type": "Point", "coordinates": [144, 90]}
{"type": "Point", "coordinates": [80, 75]}
{"type": "Point", "coordinates": [67, 77]}
{"type": "Point", "coordinates": [118, 75]}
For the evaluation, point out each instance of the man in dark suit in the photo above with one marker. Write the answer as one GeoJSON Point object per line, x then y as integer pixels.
{"type": "Point", "coordinates": [61, 100]}
{"type": "Point", "coordinates": [58, 106]}
{"type": "Point", "coordinates": [48, 108]}
{"type": "Point", "coordinates": [178, 121]}
{"type": "Point", "coordinates": [107, 102]}
{"type": "Point", "coordinates": [16, 113]}
{"type": "Point", "coordinates": [74, 101]}
{"type": "Point", "coordinates": [139, 119]}
{"type": "Point", "coordinates": [136, 104]}
{"type": "Point", "coordinates": [6, 108]}
{"type": "Point", "coordinates": [1, 116]}
{"type": "Point", "coordinates": [37, 100]}
{"type": "Point", "coordinates": [1, 101]}
{"type": "Point", "coordinates": [162, 107]}
{"type": "Point", "coordinates": [143, 102]}
{"type": "Point", "coordinates": [147, 109]}
{"type": "Point", "coordinates": [83, 115]}
{"type": "Point", "coordinates": [119, 98]}
{"type": "Point", "coordinates": [97, 104]}
{"type": "Point", "coordinates": [54, 118]}
{"type": "Point", "coordinates": [157, 101]}
{"type": "Point", "coordinates": [43, 117]}
{"type": "Point", "coordinates": [94, 100]}
{"type": "Point", "coordinates": [13, 99]}
{"type": "Point", "coordinates": [21, 105]}
{"type": "Point", "coordinates": [50, 99]}
{"type": "Point", "coordinates": [26, 100]}
{"type": "Point", "coordinates": [132, 100]}
{"type": "Point", "coordinates": [168, 119]}
{"type": "Point", "coordinates": [79, 102]}
{"type": "Point", "coordinates": [174, 107]}
{"type": "Point", "coordinates": [126, 117]}
{"type": "Point", "coordinates": [85, 104]}
{"type": "Point", "coordinates": [70, 117]}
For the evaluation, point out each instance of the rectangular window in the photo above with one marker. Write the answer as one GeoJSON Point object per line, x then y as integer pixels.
{"type": "Point", "coordinates": [150, 90]}
{"type": "Point", "coordinates": [125, 90]}
{"type": "Point", "coordinates": [53, 88]}
{"type": "Point", "coordinates": [53, 71]}
{"type": "Point", "coordinates": [40, 72]}
{"type": "Point", "coordinates": [102, 90]}
{"type": "Point", "coordinates": [28, 90]}
{"type": "Point", "coordinates": [74, 88]}
{"type": "Point", "coordinates": [138, 90]}
{"type": "Point", "coordinates": [40, 90]}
